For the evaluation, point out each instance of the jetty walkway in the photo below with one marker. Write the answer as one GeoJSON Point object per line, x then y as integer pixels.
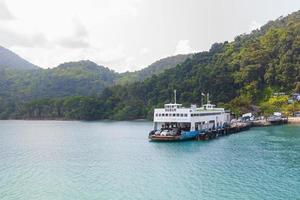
{"type": "Point", "coordinates": [237, 127]}
{"type": "Point", "coordinates": [232, 129]}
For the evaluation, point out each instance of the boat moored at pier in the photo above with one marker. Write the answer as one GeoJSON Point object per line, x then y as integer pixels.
{"type": "Point", "coordinates": [175, 122]}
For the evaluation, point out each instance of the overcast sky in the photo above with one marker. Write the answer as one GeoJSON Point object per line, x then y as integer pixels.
{"type": "Point", "coordinates": [127, 34]}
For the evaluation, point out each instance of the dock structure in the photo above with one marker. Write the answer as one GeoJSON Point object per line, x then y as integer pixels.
{"type": "Point", "coordinates": [206, 135]}
{"type": "Point", "coordinates": [232, 129]}
{"type": "Point", "coordinates": [270, 122]}
{"type": "Point", "coordinates": [237, 127]}
{"type": "Point", "coordinates": [174, 122]}
{"type": "Point", "coordinates": [294, 120]}
{"type": "Point", "coordinates": [209, 134]}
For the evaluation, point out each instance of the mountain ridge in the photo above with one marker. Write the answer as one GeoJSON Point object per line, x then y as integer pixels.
{"type": "Point", "coordinates": [75, 78]}
{"type": "Point", "coordinates": [155, 68]}
{"type": "Point", "coordinates": [9, 59]}
{"type": "Point", "coordinates": [237, 75]}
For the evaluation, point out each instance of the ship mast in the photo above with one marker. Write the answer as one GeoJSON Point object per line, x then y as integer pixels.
{"type": "Point", "coordinates": [202, 97]}
{"type": "Point", "coordinates": [208, 101]}
{"type": "Point", "coordinates": [175, 96]}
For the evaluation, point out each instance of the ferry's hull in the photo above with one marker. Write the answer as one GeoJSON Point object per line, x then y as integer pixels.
{"type": "Point", "coordinates": [189, 135]}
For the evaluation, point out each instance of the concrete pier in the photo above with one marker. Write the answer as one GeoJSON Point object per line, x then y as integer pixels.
{"type": "Point", "coordinates": [234, 128]}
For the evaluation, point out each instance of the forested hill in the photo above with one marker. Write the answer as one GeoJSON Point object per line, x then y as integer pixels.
{"type": "Point", "coordinates": [239, 74]}
{"type": "Point", "coordinates": [68, 79]}
{"type": "Point", "coordinates": [9, 59]}
{"type": "Point", "coordinates": [21, 82]}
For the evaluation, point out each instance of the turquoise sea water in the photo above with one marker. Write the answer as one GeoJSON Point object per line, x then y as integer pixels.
{"type": "Point", "coordinates": [113, 160]}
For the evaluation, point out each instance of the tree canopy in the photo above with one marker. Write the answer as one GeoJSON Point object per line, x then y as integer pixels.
{"type": "Point", "coordinates": [237, 74]}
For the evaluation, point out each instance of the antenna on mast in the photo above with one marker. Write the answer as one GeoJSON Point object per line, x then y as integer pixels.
{"type": "Point", "coordinates": [202, 97]}
{"type": "Point", "coordinates": [175, 96]}
{"type": "Point", "coordinates": [208, 101]}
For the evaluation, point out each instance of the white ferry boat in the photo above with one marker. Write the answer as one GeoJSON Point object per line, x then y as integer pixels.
{"type": "Point", "coordinates": [174, 122]}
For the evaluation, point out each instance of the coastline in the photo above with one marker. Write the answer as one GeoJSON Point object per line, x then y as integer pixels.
{"type": "Point", "coordinates": [79, 120]}
{"type": "Point", "coordinates": [291, 120]}
{"type": "Point", "coordinates": [294, 120]}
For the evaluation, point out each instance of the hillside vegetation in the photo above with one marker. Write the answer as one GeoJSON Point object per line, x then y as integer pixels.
{"type": "Point", "coordinates": [237, 74]}
{"type": "Point", "coordinates": [20, 83]}
{"type": "Point", "coordinates": [84, 78]}
{"type": "Point", "coordinates": [68, 79]}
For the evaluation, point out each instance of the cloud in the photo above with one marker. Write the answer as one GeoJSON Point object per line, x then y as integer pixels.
{"type": "Point", "coordinates": [71, 43]}
{"type": "Point", "coordinates": [254, 25]}
{"type": "Point", "coordinates": [80, 29]}
{"type": "Point", "coordinates": [183, 47]}
{"type": "Point", "coordinates": [10, 38]}
{"type": "Point", "coordinates": [5, 14]}
{"type": "Point", "coordinates": [144, 51]}
{"type": "Point", "coordinates": [124, 7]}
{"type": "Point", "coordinates": [87, 29]}
{"type": "Point", "coordinates": [13, 32]}
{"type": "Point", "coordinates": [78, 39]}
{"type": "Point", "coordinates": [115, 57]}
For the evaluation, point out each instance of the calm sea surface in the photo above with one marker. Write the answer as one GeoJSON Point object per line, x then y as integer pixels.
{"type": "Point", "coordinates": [41, 160]}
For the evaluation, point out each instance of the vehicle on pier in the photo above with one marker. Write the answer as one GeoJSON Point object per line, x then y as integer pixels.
{"type": "Point", "coordinates": [175, 122]}
{"type": "Point", "coordinates": [277, 118]}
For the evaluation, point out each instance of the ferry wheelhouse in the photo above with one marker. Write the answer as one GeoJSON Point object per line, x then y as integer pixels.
{"type": "Point", "coordinates": [174, 122]}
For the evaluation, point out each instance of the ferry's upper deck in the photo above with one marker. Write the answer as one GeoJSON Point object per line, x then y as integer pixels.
{"type": "Point", "coordinates": [176, 113]}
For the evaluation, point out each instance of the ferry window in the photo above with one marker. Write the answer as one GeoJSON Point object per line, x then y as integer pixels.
{"type": "Point", "coordinates": [181, 115]}
{"type": "Point", "coordinates": [192, 115]}
{"type": "Point", "coordinates": [167, 115]}
{"type": "Point", "coordinates": [177, 115]}
{"type": "Point", "coordinates": [185, 115]}
{"type": "Point", "coordinates": [159, 114]}
{"type": "Point", "coordinates": [163, 114]}
{"type": "Point", "coordinates": [156, 114]}
{"type": "Point", "coordinates": [173, 115]}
